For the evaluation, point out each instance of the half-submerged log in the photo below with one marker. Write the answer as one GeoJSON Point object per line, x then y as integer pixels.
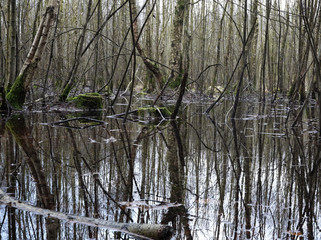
{"type": "Point", "coordinates": [141, 231]}
{"type": "Point", "coordinates": [87, 101]}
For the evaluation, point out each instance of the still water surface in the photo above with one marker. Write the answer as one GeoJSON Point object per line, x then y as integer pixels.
{"type": "Point", "coordinates": [209, 177]}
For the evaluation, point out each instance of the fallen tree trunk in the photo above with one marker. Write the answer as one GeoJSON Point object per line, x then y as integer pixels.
{"type": "Point", "coordinates": [141, 231]}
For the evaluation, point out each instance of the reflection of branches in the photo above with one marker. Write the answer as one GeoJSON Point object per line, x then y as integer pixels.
{"type": "Point", "coordinates": [307, 180]}
{"type": "Point", "coordinates": [22, 135]}
{"type": "Point", "coordinates": [176, 171]}
{"type": "Point", "coordinates": [78, 156]}
{"type": "Point", "coordinates": [19, 130]}
{"type": "Point", "coordinates": [201, 140]}
{"type": "Point", "coordinates": [65, 123]}
{"type": "Point", "coordinates": [179, 143]}
{"type": "Point", "coordinates": [180, 97]}
{"type": "Point", "coordinates": [223, 142]}
{"type": "Point", "coordinates": [141, 231]}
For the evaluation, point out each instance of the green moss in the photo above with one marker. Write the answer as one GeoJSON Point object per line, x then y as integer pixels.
{"type": "Point", "coordinates": [16, 95]}
{"type": "Point", "coordinates": [176, 82]}
{"type": "Point", "coordinates": [108, 90]}
{"type": "Point", "coordinates": [142, 93]}
{"type": "Point", "coordinates": [291, 90]}
{"type": "Point", "coordinates": [181, 4]}
{"type": "Point", "coordinates": [87, 101]}
{"type": "Point", "coordinates": [16, 125]}
{"type": "Point", "coordinates": [65, 93]}
{"type": "Point", "coordinates": [154, 112]}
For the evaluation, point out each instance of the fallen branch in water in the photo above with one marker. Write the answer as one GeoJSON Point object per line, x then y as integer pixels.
{"type": "Point", "coordinates": [141, 231]}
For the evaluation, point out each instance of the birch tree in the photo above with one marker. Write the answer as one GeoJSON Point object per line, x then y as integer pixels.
{"type": "Point", "coordinates": [15, 98]}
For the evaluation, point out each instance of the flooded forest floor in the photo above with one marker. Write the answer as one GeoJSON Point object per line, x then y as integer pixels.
{"type": "Point", "coordinates": [208, 176]}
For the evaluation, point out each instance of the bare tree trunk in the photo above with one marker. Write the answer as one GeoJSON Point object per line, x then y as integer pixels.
{"type": "Point", "coordinates": [12, 47]}
{"type": "Point", "coordinates": [16, 96]}
{"type": "Point", "coordinates": [11, 66]}
{"type": "Point", "coordinates": [2, 55]}
{"type": "Point", "coordinates": [253, 42]}
{"type": "Point", "coordinates": [218, 47]}
{"type": "Point", "coordinates": [97, 49]}
{"type": "Point", "coordinates": [282, 47]}
{"type": "Point", "coordinates": [150, 66]}
{"type": "Point", "coordinates": [265, 52]}
{"type": "Point", "coordinates": [79, 49]}
{"type": "Point", "coordinates": [176, 52]}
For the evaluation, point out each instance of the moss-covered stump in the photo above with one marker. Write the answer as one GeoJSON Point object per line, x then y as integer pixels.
{"type": "Point", "coordinates": [153, 112]}
{"type": "Point", "coordinates": [16, 95]}
{"type": "Point", "coordinates": [87, 101]}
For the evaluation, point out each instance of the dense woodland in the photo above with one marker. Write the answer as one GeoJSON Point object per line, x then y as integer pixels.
{"type": "Point", "coordinates": [248, 170]}
{"type": "Point", "coordinates": [250, 46]}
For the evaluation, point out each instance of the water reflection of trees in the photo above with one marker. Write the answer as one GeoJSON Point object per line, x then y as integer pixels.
{"type": "Point", "coordinates": [22, 136]}
{"type": "Point", "coordinates": [263, 185]}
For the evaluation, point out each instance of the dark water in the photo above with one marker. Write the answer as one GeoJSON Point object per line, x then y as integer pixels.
{"type": "Point", "coordinates": [208, 177]}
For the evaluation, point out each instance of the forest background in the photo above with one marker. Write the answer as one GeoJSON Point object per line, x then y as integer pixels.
{"type": "Point", "coordinates": [238, 47]}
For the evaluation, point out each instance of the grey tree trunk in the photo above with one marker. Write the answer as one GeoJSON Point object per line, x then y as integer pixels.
{"type": "Point", "coordinates": [176, 51]}
{"type": "Point", "coordinates": [16, 96]}
{"type": "Point", "coordinates": [79, 49]}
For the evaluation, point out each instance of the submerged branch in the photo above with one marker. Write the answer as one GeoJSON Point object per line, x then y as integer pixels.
{"type": "Point", "coordinates": [142, 231]}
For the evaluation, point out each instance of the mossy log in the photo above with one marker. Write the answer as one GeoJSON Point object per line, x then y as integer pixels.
{"type": "Point", "coordinates": [153, 112]}
{"type": "Point", "coordinates": [87, 101]}
{"type": "Point", "coordinates": [141, 231]}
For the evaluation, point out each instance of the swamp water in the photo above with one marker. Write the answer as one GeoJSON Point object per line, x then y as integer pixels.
{"type": "Point", "coordinates": [206, 176]}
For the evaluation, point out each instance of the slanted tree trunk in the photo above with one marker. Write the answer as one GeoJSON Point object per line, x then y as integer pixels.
{"type": "Point", "coordinates": [16, 96]}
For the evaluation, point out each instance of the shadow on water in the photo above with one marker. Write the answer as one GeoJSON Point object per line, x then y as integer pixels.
{"type": "Point", "coordinates": [208, 177]}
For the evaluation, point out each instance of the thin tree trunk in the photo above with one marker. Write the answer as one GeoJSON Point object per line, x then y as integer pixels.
{"type": "Point", "coordinates": [150, 66]}
{"type": "Point", "coordinates": [97, 49]}
{"type": "Point", "coordinates": [79, 49]}
{"type": "Point", "coordinates": [265, 52]}
{"type": "Point", "coordinates": [218, 53]}
{"type": "Point", "coordinates": [177, 39]}
{"type": "Point", "coordinates": [12, 51]}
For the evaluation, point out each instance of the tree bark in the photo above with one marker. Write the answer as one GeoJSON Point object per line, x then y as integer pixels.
{"type": "Point", "coordinates": [177, 39]}
{"type": "Point", "coordinates": [16, 96]}
{"type": "Point", "coordinates": [79, 49]}
{"type": "Point", "coordinates": [150, 66]}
